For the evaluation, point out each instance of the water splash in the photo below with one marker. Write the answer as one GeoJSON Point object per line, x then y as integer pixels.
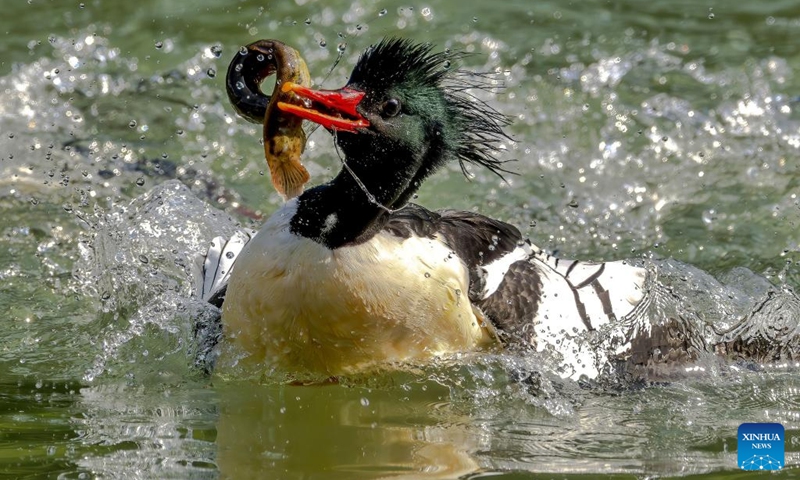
{"type": "Point", "coordinates": [144, 261]}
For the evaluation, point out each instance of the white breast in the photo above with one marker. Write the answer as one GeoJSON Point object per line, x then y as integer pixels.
{"type": "Point", "coordinates": [298, 306]}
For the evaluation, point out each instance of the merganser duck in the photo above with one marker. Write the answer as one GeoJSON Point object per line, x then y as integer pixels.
{"type": "Point", "coordinates": [351, 276]}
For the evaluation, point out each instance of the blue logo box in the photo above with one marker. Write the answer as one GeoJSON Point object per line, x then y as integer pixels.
{"type": "Point", "coordinates": [760, 446]}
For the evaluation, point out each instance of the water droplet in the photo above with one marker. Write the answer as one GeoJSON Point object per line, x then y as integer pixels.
{"type": "Point", "coordinates": [159, 44]}
{"type": "Point", "coordinates": [446, 64]}
{"type": "Point", "coordinates": [427, 275]}
{"type": "Point", "coordinates": [364, 402]}
{"type": "Point", "coordinates": [81, 5]}
{"type": "Point", "coordinates": [143, 258]}
{"type": "Point", "coordinates": [211, 73]}
{"type": "Point", "coordinates": [242, 50]}
{"type": "Point", "coordinates": [229, 255]}
{"type": "Point", "coordinates": [216, 50]}
{"type": "Point", "coordinates": [383, 12]}
{"type": "Point", "coordinates": [10, 135]}
{"type": "Point", "coordinates": [323, 43]}
{"type": "Point", "coordinates": [709, 216]}
{"type": "Point", "coordinates": [573, 204]}
{"type": "Point", "coordinates": [140, 181]}
{"type": "Point", "coordinates": [307, 21]}
{"type": "Point", "coordinates": [341, 47]}
{"type": "Point", "coordinates": [239, 85]}
{"type": "Point", "coordinates": [711, 16]}
{"type": "Point", "coordinates": [68, 207]}
{"type": "Point", "coordinates": [132, 124]}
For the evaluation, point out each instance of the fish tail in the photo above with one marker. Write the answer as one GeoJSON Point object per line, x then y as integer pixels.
{"type": "Point", "coordinates": [288, 177]}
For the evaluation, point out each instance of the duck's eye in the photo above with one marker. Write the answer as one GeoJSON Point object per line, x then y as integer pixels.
{"type": "Point", "coordinates": [390, 108]}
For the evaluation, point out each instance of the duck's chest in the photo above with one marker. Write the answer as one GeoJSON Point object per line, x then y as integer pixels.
{"type": "Point", "coordinates": [296, 305]}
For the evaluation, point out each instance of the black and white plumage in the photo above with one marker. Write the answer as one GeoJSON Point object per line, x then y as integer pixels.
{"type": "Point", "coordinates": [218, 264]}
{"type": "Point", "coordinates": [530, 297]}
{"type": "Point", "coordinates": [350, 276]}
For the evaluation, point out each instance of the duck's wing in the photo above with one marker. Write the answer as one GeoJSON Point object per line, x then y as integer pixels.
{"type": "Point", "coordinates": [213, 271]}
{"type": "Point", "coordinates": [584, 311]}
{"type": "Point", "coordinates": [218, 262]}
{"type": "Point", "coordinates": [587, 296]}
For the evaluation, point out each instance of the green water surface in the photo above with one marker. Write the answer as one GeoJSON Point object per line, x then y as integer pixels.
{"type": "Point", "coordinates": [660, 127]}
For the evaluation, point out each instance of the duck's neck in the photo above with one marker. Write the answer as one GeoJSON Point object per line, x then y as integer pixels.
{"type": "Point", "coordinates": [343, 212]}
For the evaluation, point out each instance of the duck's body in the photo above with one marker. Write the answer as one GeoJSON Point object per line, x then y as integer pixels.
{"type": "Point", "coordinates": [297, 305]}
{"type": "Point", "coordinates": [427, 284]}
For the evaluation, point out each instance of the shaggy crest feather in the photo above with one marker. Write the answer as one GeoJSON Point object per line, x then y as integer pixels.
{"type": "Point", "coordinates": [477, 127]}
